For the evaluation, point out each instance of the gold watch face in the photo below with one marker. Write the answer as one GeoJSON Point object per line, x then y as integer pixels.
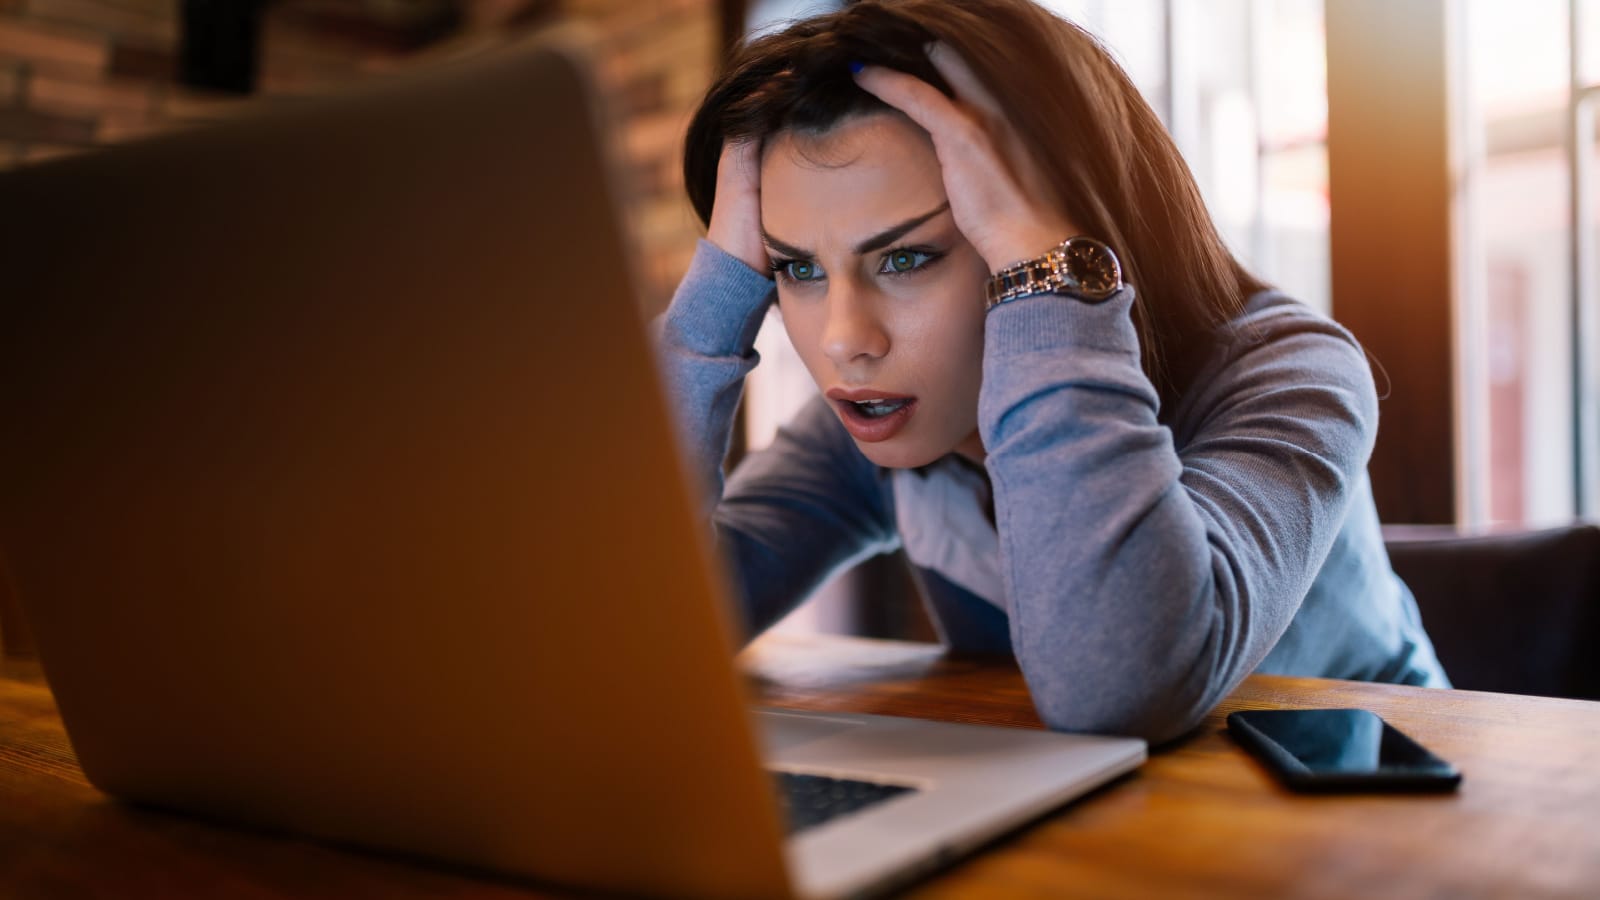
{"type": "Point", "coordinates": [1094, 267]}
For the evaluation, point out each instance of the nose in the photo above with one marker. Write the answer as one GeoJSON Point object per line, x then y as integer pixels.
{"type": "Point", "coordinates": [854, 331]}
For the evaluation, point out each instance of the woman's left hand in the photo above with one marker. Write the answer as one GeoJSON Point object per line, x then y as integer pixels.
{"type": "Point", "coordinates": [997, 193]}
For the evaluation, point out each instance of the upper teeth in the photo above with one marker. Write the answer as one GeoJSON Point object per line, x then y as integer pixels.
{"type": "Point", "coordinates": [868, 402]}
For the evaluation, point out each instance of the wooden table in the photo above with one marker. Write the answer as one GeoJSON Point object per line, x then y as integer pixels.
{"type": "Point", "coordinates": [1200, 819]}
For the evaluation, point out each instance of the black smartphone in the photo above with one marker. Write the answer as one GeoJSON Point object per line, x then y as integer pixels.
{"type": "Point", "coordinates": [1328, 750]}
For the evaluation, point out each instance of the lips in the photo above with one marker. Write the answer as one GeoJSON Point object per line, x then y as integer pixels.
{"type": "Point", "coordinates": [872, 415]}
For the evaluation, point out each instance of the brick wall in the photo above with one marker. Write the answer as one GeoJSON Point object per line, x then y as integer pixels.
{"type": "Point", "coordinates": [76, 74]}
{"type": "Point", "coordinates": [658, 57]}
{"type": "Point", "coordinates": [80, 73]}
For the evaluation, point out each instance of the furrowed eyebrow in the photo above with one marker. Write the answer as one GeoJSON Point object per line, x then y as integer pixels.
{"type": "Point", "coordinates": [876, 242]}
{"type": "Point", "coordinates": [889, 235]}
{"type": "Point", "coordinates": [781, 247]}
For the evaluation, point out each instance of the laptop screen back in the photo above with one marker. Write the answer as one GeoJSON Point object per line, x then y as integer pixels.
{"type": "Point", "coordinates": [337, 489]}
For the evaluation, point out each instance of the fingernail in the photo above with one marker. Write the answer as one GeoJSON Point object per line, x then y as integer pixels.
{"type": "Point", "coordinates": [856, 66]}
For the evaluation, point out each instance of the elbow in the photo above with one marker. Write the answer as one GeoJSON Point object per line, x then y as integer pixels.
{"type": "Point", "coordinates": [1156, 722]}
{"type": "Point", "coordinates": [1151, 696]}
{"type": "Point", "coordinates": [1155, 676]}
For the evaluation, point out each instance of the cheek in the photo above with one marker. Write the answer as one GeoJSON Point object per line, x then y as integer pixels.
{"type": "Point", "coordinates": [964, 350]}
{"type": "Point", "coordinates": [804, 328]}
{"type": "Point", "coordinates": [967, 316]}
{"type": "Point", "coordinates": [948, 332]}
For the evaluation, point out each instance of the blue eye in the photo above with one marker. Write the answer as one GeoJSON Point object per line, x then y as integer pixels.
{"type": "Point", "coordinates": [900, 262]}
{"type": "Point", "coordinates": [796, 270]}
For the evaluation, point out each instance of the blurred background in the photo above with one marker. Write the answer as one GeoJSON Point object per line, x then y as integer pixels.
{"type": "Point", "coordinates": [1422, 170]}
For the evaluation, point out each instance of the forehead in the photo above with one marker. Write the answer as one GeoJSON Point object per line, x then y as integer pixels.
{"type": "Point", "coordinates": [863, 175]}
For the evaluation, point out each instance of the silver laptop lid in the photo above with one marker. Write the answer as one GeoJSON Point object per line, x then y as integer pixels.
{"type": "Point", "coordinates": [336, 486]}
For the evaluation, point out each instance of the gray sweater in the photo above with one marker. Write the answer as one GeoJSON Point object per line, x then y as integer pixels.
{"type": "Point", "coordinates": [1137, 570]}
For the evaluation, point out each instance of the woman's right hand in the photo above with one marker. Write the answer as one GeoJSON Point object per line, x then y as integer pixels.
{"type": "Point", "coordinates": [736, 211]}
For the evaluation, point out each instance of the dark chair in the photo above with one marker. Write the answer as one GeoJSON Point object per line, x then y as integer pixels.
{"type": "Point", "coordinates": [1515, 612]}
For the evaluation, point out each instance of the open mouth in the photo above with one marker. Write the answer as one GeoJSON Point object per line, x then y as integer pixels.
{"type": "Point", "coordinates": [879, 407]}
{"type": "Point", "coordinates": [870, 416]}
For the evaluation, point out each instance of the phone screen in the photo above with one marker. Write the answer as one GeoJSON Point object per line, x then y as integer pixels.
{"type": "Point", "coordinates": [1339, 748]}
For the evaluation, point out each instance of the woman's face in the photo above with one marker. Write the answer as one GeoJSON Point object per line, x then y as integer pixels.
{"type": "Point", "coordinates": [881, 295]}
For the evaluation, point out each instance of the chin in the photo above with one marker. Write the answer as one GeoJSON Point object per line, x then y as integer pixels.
{"type": "Point", "coordinates": [893, 454]}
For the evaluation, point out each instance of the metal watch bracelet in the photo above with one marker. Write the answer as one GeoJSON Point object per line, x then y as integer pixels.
{"type": "Point", "coordinates": [1056, 272]}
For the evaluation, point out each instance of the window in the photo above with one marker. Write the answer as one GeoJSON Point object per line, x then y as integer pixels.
{"type": "Point", "coordinates": [1525, 362]}
{"type": "Point", "coordinates": [1242, 87]}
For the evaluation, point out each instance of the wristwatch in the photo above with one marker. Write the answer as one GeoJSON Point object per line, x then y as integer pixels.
{"type": "Point", "coordinates": [1080, 267]}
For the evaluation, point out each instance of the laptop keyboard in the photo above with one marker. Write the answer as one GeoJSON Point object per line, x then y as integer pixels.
{"type": "Point", "coordinates": [810, 800]}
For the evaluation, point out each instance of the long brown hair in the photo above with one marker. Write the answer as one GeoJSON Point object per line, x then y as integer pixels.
{"type": "Point", "coordinates": [1109, 162]}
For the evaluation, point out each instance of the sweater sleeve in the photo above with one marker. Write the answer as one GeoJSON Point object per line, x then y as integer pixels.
{"type": "Point", "coordinates": [1145, 583]}
{"type": "Point", "coordinates": [794, 512]}
{"type": "Point", "coordinates": [705, 346]}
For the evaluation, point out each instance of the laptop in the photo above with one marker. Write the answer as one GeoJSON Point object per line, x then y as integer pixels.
{"type": "Point", "coordinates": [340, 495]}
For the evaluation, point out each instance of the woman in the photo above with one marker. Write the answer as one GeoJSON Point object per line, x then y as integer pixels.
{"type": "Point", "coordinates": [1119, 457]}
